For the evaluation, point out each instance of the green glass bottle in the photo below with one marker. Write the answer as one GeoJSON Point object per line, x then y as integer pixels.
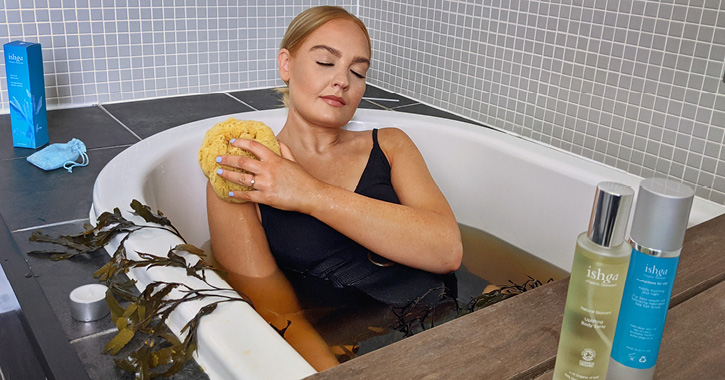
{"type": "Point", "coordinates": [597, 279]}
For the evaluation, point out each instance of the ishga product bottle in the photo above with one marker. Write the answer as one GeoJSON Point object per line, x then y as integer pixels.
{"type": "Point", "coordinates": [595, 287]}
{"type": "Point", "coordinates": [658, 230]}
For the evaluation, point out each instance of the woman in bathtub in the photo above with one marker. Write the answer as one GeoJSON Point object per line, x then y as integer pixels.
{"type": "Point", "coordinates": [357, 210]}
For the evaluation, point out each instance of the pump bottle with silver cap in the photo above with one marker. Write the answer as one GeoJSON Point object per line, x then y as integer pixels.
{"type": "Point", "coordinates": [658, 231]}
{"type": "Point", "coordinates": [595, 287]}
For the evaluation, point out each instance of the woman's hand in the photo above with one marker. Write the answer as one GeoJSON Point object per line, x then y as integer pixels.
{"type": "Point", "coordinates": [278, 181]}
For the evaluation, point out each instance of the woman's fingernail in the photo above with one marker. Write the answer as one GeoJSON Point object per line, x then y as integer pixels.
{"type": "Point", "coordinates": [232, 141]}
{"type": "Point", "coordinates": [219, 171]}
{"type": "Point", "coordinates": [231, 193]}
{"type": "Point", "coordinates": [219, 159]}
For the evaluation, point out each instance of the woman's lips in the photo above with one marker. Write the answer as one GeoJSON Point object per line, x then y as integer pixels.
{"type": "Point", "coordinates": [333, 100]}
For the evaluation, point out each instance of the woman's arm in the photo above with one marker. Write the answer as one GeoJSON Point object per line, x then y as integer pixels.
{"type": "Point", "coordinates": [421, 232]}
{"type": "Point", "coordinates": [240, 247]}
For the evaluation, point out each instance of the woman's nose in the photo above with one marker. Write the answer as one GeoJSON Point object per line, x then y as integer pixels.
{"type": "Point", "coordinates": [341, 79]}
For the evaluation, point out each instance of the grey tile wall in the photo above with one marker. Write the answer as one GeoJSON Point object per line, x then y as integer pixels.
{"type": "Point", "coordinates": [634, 84]}
{"type": "Point", "coordinates": [97, 51]}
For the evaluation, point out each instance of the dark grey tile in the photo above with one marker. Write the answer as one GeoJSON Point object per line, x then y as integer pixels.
{"type": "Point", "coordinates": [370, 105]}
{"type": "Point", "coordinates": [58, 278]}
{"type": "Point", "coordinates": [386, 98]}
{"type": "Point", "coordinates": [269, 98]}
{"type": "Point", "coordinates": [149, 117]}
{"type": "Point", "coordinates": [41, 327]}
{"type": "Point", "coordinates": [100, 366]}
{"type": "Point", "coordinates": [19, 360]}
{"type": "Point", "coordinates": [423, 109]}
{"type": "Point", "coordinates": [264, 99]}
{"type": "Point", "coordinates": [89, 124]}
{"type": "Point", "coordinates": [32, 197]}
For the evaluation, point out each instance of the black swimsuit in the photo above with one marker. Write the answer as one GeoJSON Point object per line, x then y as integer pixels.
{"type": "Point", "coordinates": [303, 244]}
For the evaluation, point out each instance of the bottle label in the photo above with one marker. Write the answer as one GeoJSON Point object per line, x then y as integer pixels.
{"type": "Point", "coordinates": [642, 314]}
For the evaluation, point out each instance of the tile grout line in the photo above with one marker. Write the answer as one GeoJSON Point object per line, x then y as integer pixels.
{"type": "Point", "coordinates": [405, 106]}
{"type": "Point", "coordinates": [89, 150]}
{"type": "Point", "coordinates": [239, 100]}
{"type": "Point", "coordinates": [110, 147]}
{"type": "Point", "coordinates": [50, 225]}
{"type": "Point", "coordinates": [373, 99]}
{"type": "Point", "coordinates": [14, 158]}
{"type": "Point", "coordinates": [119, 122]}
{"type": "Point", "coordinates": [379, 105]}
{"type": "Point", "coordinates": [101, 333]}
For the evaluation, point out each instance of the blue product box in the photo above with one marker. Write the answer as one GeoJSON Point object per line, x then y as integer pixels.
{"type": "Point", "coordinates": [26, 92]}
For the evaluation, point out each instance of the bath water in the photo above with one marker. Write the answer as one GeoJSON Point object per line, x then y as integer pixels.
{"type": "Point", "coordinates": [354, 324]}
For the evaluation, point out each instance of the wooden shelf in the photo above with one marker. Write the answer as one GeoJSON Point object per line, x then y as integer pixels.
{"type": "Point", "coordinates": [518, 338]}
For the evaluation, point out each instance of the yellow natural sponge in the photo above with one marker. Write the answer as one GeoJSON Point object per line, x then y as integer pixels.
{"type": "Point", "coordinates": [216, 143]}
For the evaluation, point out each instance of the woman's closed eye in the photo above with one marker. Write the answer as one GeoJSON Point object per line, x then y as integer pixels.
{"type": "Point", "coordinates": [329, 64]}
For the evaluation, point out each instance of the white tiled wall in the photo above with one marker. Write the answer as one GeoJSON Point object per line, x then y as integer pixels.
{"type": "Point", "coordinates": [98, 51]}
{"type": "Point", "coordinates": [635, 84]}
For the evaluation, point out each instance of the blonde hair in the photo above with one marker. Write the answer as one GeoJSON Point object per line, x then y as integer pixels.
{"type": "Point", "coordinates": [307, 22]}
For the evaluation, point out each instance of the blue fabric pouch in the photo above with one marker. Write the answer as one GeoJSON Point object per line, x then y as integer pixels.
{"type": "Point", "coordinates": [58, 155]}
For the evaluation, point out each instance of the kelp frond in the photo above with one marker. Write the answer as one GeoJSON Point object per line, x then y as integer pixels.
{"type": "Point", "coordinates": [146, 313]}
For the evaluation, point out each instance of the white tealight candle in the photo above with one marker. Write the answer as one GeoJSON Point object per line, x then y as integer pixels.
{"type": "Point", "coordinates": [88, 302]}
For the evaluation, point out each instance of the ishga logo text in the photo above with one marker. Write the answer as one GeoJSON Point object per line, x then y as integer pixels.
{"type": "Point", "coordinates": [598, 275]}
{"type": "Point", "coordinates": [651, 269]}
{"type": "Point", "coordinates": [15, 58]}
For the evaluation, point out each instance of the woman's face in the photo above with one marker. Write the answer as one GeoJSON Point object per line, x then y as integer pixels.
{"type": "Point", "coordinates": [326, 74]}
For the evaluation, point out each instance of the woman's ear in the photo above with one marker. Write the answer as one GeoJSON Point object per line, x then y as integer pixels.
{"type": "Point", "coordinates": [283, 58]}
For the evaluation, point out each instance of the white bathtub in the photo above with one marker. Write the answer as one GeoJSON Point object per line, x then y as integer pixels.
{"type": "Point", "coordinates": [533, 196]}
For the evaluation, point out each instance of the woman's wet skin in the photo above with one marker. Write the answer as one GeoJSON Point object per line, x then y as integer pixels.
{"type": "Point", "coordinates": [317, 173]}
{"type": "Point", "coordinates": [240, 247]}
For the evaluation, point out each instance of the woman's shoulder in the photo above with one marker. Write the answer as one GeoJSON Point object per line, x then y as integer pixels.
{"type": "Point", "coordinates": [392, 140]}
{"type": "Point", "coordinates": [397, 146]}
